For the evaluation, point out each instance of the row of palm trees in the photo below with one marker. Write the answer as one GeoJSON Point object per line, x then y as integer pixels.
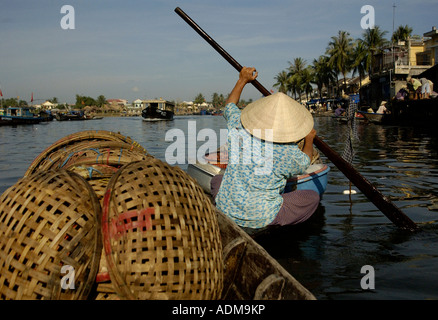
{"type": "Point", "coordinates": [343, 55]}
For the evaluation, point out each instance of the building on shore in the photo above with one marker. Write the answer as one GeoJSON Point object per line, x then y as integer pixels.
{"type": "Point", "coordinates": [396, 63]}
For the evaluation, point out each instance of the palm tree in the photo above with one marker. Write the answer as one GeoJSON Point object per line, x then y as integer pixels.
{"type": "Point", "coordinates": [401, 34]}
{"type": "Point", "coordinates": [101, 101]}
{"type": "Point", "coordinates": [359, 58]}
{"type": "Point", "coordinates": [374, 41]}
{"type": "Point", "coordinates": [339, 50]}
{"type": "Point", "coordinates": [282, 81]}
{"type": "Point", "coordinates": [296, 75]}
{"type": "Point", "coordinates": [307, 78]}
{"type": "Point", "coordinates": [323, 74]}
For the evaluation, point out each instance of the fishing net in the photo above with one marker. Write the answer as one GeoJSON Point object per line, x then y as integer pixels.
{"type": "Point", "coordinates": [351, 135]}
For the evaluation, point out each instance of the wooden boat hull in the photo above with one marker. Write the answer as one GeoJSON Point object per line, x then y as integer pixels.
{"type": "Point", "coordinates": [12, 121]}
{"type": "Point", "coordinates": [250, 273]}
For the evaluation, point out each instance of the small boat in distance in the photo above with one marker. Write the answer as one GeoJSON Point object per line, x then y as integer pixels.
{"type": "Point", "coordinates": [373, 117]}
{"type": "Point", "coordinates": [344, 119]}
{"type": "Point", "coordinates": [20, 115]}
{"type": "Point", "coordinates": [70, 115]}
{"type": "Point", "coordinates": [158, 110]}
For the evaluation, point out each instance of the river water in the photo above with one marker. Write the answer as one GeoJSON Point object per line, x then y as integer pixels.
{"type": "Point", "coordinates": [347, 232]}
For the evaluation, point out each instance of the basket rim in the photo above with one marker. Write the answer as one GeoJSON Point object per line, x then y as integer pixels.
{"type": "Point", "coordinates": [103, 135]}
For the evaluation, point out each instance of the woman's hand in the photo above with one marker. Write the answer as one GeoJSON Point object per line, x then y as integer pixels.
{"type": "Point", "coordinates": [246, 75]}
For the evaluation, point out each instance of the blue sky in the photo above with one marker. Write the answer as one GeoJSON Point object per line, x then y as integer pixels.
{"type": "Point", "coordinates": [142, 49]}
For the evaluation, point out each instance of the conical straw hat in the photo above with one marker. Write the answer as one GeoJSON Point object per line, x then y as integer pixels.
{"type": "Point", "coordinates": [290, 120]}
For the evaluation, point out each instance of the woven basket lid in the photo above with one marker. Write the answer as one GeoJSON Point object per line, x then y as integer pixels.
{"type": "Point", "coordinates": [49, 220]}
{"type": "Point", "coordinates": [287, 119]}
{"type": "Point", "coordinates": [161, 235]}
{"type": "Point", "coordinates": [94, 155]}
{"type": "Point", "coordinates": [43, 160]}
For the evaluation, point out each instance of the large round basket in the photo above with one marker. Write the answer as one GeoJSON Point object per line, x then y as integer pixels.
{"type": "Point", "coordinates": [44, 159]}
{"type": "Point", "coordinates": [94, 155]}
{"type": "Point", "coordinates": [50, 237]}
{"type": "Point", "coordinates": [161, 236]}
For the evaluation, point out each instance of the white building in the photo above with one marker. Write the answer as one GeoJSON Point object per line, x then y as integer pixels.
{"type": "Point", "coordinates": [48, 105]}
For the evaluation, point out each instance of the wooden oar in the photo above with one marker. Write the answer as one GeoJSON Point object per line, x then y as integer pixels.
{"type": "Point", "coordinates": [375, 196]}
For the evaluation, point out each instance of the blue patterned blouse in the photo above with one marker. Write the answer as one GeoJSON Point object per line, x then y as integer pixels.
{"type": "Point", "coordinates": [256, 174]}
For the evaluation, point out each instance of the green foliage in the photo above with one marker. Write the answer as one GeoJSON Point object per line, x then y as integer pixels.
{"type": "Point", "coordinates": [83, 101]}
{"type": "Point", "coordinates": [13, 102]}
{"type": "Point", "coordinates": [218, 101]}
{"type": "Point", "coordinates": [199, 99]}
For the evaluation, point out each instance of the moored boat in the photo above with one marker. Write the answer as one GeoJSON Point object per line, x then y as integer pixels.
{"type": "Point", "coordinates": [71, 115]}
{"type": "Point", "coordinates": [158, 110]}
{"type": "Point", "coordinates": [344, 119]}
{"type": "Point", "coordinates": [46, 116]}
{"type": "Point", "coordinates": [20, 115]}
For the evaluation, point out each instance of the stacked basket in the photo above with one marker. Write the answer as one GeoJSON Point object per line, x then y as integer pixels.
{"type": "Point", "coordinates": [160, 232]}
{"type": "Point", "coordinates": [95, 155]}
{"type": "Point", "coordinates": [161, 236]}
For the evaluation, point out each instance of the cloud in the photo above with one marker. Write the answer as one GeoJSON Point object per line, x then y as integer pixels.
{"type": "Point", "coordinates": [135, 89]}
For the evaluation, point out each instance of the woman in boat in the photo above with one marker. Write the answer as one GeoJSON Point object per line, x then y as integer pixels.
{"type": "Point", "coordinates": [250, 191]}
{"type": "Point", "coordinates": [382, 108]}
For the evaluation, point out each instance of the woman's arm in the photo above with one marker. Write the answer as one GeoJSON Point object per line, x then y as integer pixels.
{"type": "Point", "coordinates": [308, 144]}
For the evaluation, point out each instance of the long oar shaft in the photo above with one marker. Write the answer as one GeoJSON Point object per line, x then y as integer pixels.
{"type": "Point", "coordinates": [375, 196]}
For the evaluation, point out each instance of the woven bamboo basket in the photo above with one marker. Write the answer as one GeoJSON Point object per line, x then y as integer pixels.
{"type": "Point", "coordinates": [87, 136]}
{"type": "Point", "coordinates": [95, 160]}
{"type": "Point", "coordinates": [161, 235]}
{"type": "Point", "coordinates": [48, 221]}
{"type": "Point", "coordinates": [95, 156]}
